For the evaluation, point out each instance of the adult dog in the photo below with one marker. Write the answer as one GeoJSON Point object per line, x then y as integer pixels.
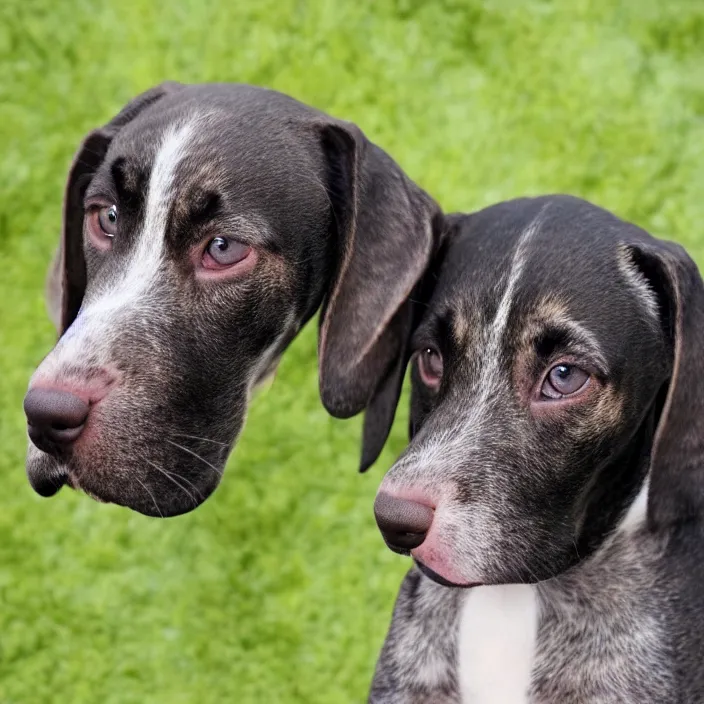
{"type": "Point", "coordinates": [203, 226]}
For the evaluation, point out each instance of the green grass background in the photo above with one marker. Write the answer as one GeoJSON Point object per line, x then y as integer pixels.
{"type": "Point", "coordinates": [279, 588]}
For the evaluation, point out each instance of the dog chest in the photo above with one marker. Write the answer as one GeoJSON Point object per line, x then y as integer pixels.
{"type": "Point", "coordinates": [497, 640]}
{"type": "Point", "coordinates": [597, 634]}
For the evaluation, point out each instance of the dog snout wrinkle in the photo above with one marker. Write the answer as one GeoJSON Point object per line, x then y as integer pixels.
{"type": "Point", "coordinates": [54, 418]}
{"type": "Point", "coordinates": [403, 523]}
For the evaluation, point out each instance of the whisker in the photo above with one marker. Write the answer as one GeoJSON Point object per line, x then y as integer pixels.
{"type": "Point", "coordinates": [167, 474]}
{"type": "Point", "coordinates": [196, 437]}
{"type": "Point", "coordinates": [182, 478]}
{"type": "Point", "coordinates": [196, 455]}
{"type": "Point", "coordinates": [146, 488]}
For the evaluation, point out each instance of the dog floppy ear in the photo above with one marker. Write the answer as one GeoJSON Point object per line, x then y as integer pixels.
{"type": "Point", "coordinates": [381, 409]}
{"type": "Point", "coordinates": [676, 491]}
{"type": "Point", "coordinates": [66, 281]}
{"type": "Point", "coordinates": [386, 231]}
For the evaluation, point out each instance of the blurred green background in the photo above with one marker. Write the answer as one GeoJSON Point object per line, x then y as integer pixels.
{"type": "Point", "coordinates": [279, 588]}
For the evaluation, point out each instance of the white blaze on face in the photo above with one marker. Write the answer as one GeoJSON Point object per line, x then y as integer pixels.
{"type": "Point", "coordinates": [148, 253]}
{"type": "Point", "coordinates": [91, 331]}
{"type": "Point", "coordinates": [492, 378]}
{"type": "Point", "coordinates": [461, 540]}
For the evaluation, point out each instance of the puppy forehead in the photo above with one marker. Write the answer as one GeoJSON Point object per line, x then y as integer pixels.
{"type": "Point", "coordinates": [574, 263]}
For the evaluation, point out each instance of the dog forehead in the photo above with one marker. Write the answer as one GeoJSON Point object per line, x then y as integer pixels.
{"type": "Point", "coordinates": [238, 139]}
{"type": "Point", "coordinates": [554, 248]}
{"type": "Point", "coordinates": [254, 148]}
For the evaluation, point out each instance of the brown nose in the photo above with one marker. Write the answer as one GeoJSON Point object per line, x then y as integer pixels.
{"type": "Point", "coordinates": [55, 418]}
{"type": "Point", "coordinates": [403, 523]}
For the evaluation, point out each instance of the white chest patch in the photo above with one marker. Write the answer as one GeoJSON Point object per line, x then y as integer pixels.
{"type": "Point", "coordinates": [497, 637]}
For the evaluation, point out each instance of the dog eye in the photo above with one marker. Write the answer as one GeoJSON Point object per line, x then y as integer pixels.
{"type": "Point", "coordinates": [222, 252]}
{"type": "Point", "coordinates": [102, 225]}
{"type": "Point", "coordinates": [430, 367]}
{"type": "Point", "coordinates": [564, 380]}
{"type": "Point", "coordinates": [107, 218]}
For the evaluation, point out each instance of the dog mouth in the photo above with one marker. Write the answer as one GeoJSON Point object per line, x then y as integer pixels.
{"type": "Point", "coordinates": [46, 475]}
{"type": "Point", "coordinates": [48, 486]}
{"type": "Point", "coordinates": [48, 480]}
{"type": "Point", "coordinates": [439, 579]}
{"type": "Point", "coordinates": [129, 486]}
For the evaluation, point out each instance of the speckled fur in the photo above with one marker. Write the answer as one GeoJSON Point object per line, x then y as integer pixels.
{"type": "Point", "coordinates": [330, 221]}
{"type": "Point", "coordinates": [596, 509]}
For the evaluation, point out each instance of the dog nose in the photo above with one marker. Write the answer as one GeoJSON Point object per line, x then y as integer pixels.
{"type": "Point", "coordinates": [403, 523]}
{"type": "Point", "coordinates": [54, 418]}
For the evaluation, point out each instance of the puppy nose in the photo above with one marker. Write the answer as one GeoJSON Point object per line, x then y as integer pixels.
{"type": "Point", "coordinates": [403, 523]}
{"type": "Point", "coordinates": [54, 418]}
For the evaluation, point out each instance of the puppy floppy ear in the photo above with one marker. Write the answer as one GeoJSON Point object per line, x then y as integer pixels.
{"type": "Point", "coordinates": [677, 460]}
{"type": "Point", "coordinates": [386, 232]}
{"type": "Point", "coordinates": [66, 281]}
{"type": "Point", "coordinates": [381, 409]}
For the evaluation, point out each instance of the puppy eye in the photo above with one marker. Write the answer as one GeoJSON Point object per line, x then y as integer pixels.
{"type": "Point", "coordinates": [430, 367]}
{"type": "Point", "coordinates": [102, 225]}
{"type": "Point", "coordinates": [222, 252]}
{"type": "Point", "coordinates": [107, 218]}
{"type": "Point", "coordinates": [564, 380]}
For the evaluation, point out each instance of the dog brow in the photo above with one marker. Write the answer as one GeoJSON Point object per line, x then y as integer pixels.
{"type": "Point", "coordinates": [578, 336]}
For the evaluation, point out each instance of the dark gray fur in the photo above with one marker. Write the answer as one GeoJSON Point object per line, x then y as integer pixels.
{"type": "Point", "coordinates": [621, 613]}
{"type": "Point", "coordinates": [333, 220]}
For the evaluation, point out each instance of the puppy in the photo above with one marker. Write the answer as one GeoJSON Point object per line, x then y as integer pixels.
{"type": "Point", "coordinates": [555, 470]}
{"type": "Point", "coordinates": [203, 226]}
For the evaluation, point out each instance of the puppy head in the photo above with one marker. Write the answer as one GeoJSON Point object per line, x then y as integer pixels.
{"type": "Point", "coordinates": [203, 226]}
{"type": "Point", "coordinates": [553, 377]}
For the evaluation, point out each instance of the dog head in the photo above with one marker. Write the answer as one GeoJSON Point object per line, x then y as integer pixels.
{"type": "Point", "coordinates": [557, 391]}
{"type": "Point", "coordinates": [203, 226]}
